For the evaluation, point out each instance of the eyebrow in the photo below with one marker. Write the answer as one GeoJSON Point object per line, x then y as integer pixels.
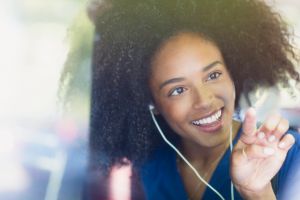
{"type": "Point", "coordinates": [179, 79]}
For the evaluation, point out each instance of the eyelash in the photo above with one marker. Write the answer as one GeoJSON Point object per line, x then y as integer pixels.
{"type": "Point", "coordinates": [175, 90]}
{"type": "Point", "coordinates": [216, 74]}
{"type": "Point", "coordinates": [212, 76]}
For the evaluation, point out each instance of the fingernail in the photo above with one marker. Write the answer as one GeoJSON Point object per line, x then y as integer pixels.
{"type": "Point", "coordinates": [261, 135]}
{"type": "Point", "coordinates": [272, 138]}
{"type": "Point", "coordinates": [268, 151]}
{"type": "Point", "coordinates": [282, 145]}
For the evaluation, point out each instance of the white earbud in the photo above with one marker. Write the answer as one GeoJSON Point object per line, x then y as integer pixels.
{"type": "Point", "coordinates": [151, 107]}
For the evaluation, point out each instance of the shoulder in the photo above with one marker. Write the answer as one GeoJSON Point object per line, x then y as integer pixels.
{"type": "Point", "coordinates": [158, 175]}
{"type": "Point", "coordinates": [289, 174]}
{"type": "Point", "coordinates": [157, 160]}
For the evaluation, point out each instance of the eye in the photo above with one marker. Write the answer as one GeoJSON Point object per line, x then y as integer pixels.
{"type": "Point", "coordinates": [177, 91]}
{"type": "Point", "coordinates": [214, 75]}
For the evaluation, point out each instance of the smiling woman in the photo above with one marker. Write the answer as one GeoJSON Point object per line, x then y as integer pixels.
{"type": "Point", "coordinates": [189, 60]}
{"type": "Point", "coordinates": [187, 84]}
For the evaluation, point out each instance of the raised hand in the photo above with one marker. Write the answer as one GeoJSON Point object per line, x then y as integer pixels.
{"type": "Point", "coordinates": [259, 154]}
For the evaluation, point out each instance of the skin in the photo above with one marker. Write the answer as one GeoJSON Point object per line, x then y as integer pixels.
{"type": "Point", "coordinates": [196, 76]}
{"type": "Point", "coordinates": [265, 149]}
{"type": "Point", "coordinates": [189, 81]}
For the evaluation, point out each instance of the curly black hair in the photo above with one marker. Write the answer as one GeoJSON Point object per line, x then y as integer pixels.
{"type": "Point", "coordinates": [254, 41]}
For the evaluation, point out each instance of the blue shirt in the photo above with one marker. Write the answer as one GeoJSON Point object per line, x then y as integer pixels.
{"type": "Point", "coordinates": [161, 179]}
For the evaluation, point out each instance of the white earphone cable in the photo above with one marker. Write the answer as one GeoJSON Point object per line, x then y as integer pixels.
{"type": "Point", "coordinates": [186, 161]}
{"type": "Point", "coordinates": [231, 148]}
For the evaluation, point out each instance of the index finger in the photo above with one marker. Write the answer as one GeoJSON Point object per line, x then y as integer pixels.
{"type": "Point", "coordinates": [249, 127]}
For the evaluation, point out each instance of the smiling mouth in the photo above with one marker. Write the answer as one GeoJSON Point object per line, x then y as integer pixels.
{"type": "Point", "coordinates": [206, 121]}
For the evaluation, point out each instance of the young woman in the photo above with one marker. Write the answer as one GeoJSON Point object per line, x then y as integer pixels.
{"type": "Point", "coordinates": [167, 78]}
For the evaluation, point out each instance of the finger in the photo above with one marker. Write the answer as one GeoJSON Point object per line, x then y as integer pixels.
{"type": "Point", "coordinates": [261, 138]}
{"type": "Point", "coordinates": [257, 151]}
{"type": "Point", "coordinates": [269, 126]}
{"type": "Point", "coordinates": [281, 129]}
{"type": "Point", "coordinates": [286, 142]}
{"type": "Point", "coordinates": [249, 127]}
{"type": "Point", "coordinates": [249, 152]}
{"type": "Point", "coordinates": [261, 135]}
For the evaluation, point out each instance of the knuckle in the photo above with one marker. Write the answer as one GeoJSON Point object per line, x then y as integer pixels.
{"type": "Point", "coordinates": [283, 126]}
{"type": "Point", "coordinates": [268, 126]}
{"type": "Point", "coordinates": [272, 123]}
{"type": "Point", "coordinates": [286, 123]}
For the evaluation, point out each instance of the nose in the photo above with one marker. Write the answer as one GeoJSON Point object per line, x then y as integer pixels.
{"type": "Point", "coordinates": [202, 98]}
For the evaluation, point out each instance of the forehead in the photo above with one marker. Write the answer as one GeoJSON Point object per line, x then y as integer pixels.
{"type": "Point", "coordinates": [184, 53]}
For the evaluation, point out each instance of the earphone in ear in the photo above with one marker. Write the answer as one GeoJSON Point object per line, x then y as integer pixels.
{"type": "Point", "coordinates": [151, 107]}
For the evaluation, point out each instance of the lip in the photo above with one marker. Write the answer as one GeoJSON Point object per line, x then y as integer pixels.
{"type": "Point", "coordinates": [212, 127]}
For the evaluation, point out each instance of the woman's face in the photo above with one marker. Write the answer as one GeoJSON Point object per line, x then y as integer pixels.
{"type": "Point", "coordinates": [193, 90]}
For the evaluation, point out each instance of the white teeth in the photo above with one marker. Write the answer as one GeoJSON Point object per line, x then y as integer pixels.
{"type": "Point", "coordinates": [209, 119]}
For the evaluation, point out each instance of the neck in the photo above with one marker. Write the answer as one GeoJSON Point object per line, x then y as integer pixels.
{"type": "Point", "coordinates": [204, 156]}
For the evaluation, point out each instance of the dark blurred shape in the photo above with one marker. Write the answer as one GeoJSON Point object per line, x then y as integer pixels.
{"type": "Point", "coordinates": [96, 8]}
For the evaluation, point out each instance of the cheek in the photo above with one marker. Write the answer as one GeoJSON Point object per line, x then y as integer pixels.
{"type": "Point", "coordinates": [233, 95]}
{"type": "Point", "coordinates": [176, 111]}
{"type": "Point", "coordinates": [228, 83]}
{"type": "Point", "coordinates": [230, 94]}
{"type": "Point", "coordinates": [231, 91]}
{"type": "Point", "coordinates": [233, 88]}
{"type": "Point", "coordinates": [224, 92]}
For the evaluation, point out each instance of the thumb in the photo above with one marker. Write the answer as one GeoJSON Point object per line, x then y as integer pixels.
{"type": "Point", "coordinates": [249, 127]}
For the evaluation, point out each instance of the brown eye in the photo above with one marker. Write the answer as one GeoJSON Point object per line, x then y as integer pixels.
{"type": "Point", "coordinates": [177, 91]}
{"type": "Point", "coordinates": [213, 76]}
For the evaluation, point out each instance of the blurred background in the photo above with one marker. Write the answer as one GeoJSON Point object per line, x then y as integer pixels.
{"type": "Point", "coordinates": [45, 49]}
{"type": "Point", "coordinates": [43, 122]}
